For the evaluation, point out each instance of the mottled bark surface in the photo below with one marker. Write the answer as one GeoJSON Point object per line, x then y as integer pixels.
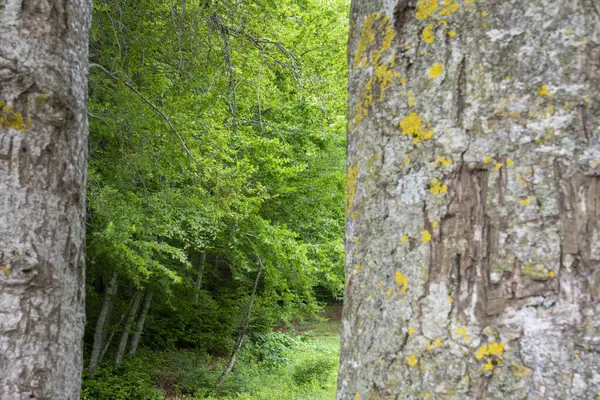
{"type": "Point", "coordinates": [473, 234]}
{"type": "Point", "coordinates": [43, 161]}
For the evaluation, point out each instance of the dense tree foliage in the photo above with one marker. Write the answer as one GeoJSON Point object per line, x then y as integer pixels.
{"type": "Point", "coordinates": [217, 148]}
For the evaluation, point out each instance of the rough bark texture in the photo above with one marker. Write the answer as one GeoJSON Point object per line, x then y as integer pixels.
{"type": "Point", "coordinates": [43, 161]}
{"type": "Point", "coordinates": [99, 332]}
{"type": "Point", "coordinates": [473, 234]}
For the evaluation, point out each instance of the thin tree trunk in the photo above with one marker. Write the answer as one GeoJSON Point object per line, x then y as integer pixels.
{"type": "Point", "coordinates": [240, 340]}
{"type": "Point", "coordinates": [199, 277]}
{"type": "Point", "coordinates": [108, 341]}
{"type": "Point", "coordinates": [140, 324]}
{"type": "Point", "coordinates": [473, 201]}
{"type": "Point", "coordinates": [43, 169]}
{"type": "Point", "coordinates": [99, 333]}
{"type": "Point", "coordinates": [137, 299]}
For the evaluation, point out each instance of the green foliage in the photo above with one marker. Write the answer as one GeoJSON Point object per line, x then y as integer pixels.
{"type": "Point", "coordinates": [133, 381]}
{"type": "Point", "coordinates": [217, 133]}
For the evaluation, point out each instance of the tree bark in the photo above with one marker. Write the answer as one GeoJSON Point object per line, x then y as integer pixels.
{"type": "Point", "coordinates": [240, 339]}
{"type": "Point", "coordinates": [108, 341]}
{"type": "Point", "coordinates": [99, 335]}
{"type": "Point", "coordinates": [133, 310]}
{"type": "Point", "coordinates": [473, 201]}
{"type": "Point", "coordinates": [135, 340]}
{"type": "Point", "coordinates": [43, 168]}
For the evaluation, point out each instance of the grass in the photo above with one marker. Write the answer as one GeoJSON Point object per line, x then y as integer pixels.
{"type": "Point", "coordinates": [296, 363]}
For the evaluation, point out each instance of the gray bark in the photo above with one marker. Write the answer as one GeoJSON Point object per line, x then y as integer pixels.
{"type": "Point", "coordinates": [133, 310]}
{"type": "Point", "coordinates": [135, 340]}
{"type": "Point", "coordinates": [99, 332]}
{"type": "Point", "coordinates": [43, 167]}
{"type": "Point", "coordinates": [473, 201]}
{"type": "Point", "coordinates": [108, 341]}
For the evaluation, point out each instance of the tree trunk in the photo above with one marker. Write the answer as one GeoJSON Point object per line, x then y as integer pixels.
{"type": "Point", "coordinates": [43, 168]}
{"type": "Point", "coordinates": [140, 324]}
{"type": "Point", "coordinates": [200, 267]}
{"type": "Point", "coordinates": [133, 310]}
{"type": "Point", "coordinates": [99, 335]}
{"type": "Point", "coordinates": [473, 201]}
{"type": "Point", "coordinates": [240, 339]}
{"type": "Point", "coordinates": [108, 341]}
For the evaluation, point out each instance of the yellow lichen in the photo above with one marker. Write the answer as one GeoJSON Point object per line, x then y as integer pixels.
{"type": "Point", "coordinates": [375, 25]}
{"type": "Point", "coordinates": [411, 330]}
{"type": "Point", "coordinates": [487, 160]}
{"type": "Point", "coordinates": [551, 274]}
{"type": "Point", "coordinates": [357, 396]}
{"type": "Point", "coordinates": [411, 99]}
{"type": "Point", "coordinates": [435, 71]}
{"type": "Point", "coordinates": [426, 8]}
{"type": "Point", "coordinates": [434, 224]}
{"type": "Point", "coordinates": [404, 238]}
{"type": "Point", "coordinates": [436, 187]}
{"type": "Point", "coordinates": [426, 237]}
{"type": "Point", "coordinates": [461, 330]}
{"type": "Point", "coordinates": [451, 33]}
{"type": "Point", "coordinates": [401, 282]}
{"type": "Point", "coordinates": [509, 162]}
{"type": "Point", "coordinates": [544, 91]}
{"type": "Point", "coordinates": [492, 349]}
{"type": "Point", "coordinates": [569, 31]}
{"type": "Point", "coordinates": [10, 118]}
{"type": "Point", "coordinates": [412, 360]}
{"type": "Point", "coordinates": [444, 161]}
{"type": "Point", "coordinates": [357, 268]}
{"type": "Point", "coordinates": [484, 13]}
{"type": "Point", "coordinates": [428, 34]}
{"type": "Point", "coordinates": [411, 126]}
{"type": "Point", "coordinates": [351, 183]}
{"type": "Point", "coordinates": [488, 365]}
{"type": "Point", "coordinates": [449, 7]}
{"type": "Point", "coordinates": [525, 202]}
{"type": "Point", "coordinates": [450, 299]}
{"type": "Point", "coordinates": [497, 166]}
{"type": "Point", "coordinates": [389, 292]}
{"type": "Point", "coordinates": [427, 395]}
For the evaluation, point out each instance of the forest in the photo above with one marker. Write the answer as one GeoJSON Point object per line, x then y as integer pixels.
{"type": "Point", "coordinates": [215, 197]}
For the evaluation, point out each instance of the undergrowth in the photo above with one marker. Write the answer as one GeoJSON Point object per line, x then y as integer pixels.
{"type": "Point", "coordinates": [274, 366]}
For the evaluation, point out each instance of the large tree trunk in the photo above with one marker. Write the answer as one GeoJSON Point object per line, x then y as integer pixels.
{"type": "Point", "coordinates": [43, 162]}
{"type": "Point", "coordinates": [99, 333]}
{"type": "Point", "coordinates": [133, 310]}
{"type": "Point", "coordinates": [473, 233]}
{"type": "Point", "coordinates": [139, 328]}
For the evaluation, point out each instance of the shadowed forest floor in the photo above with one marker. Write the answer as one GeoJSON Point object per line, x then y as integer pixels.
{"type": "Point", "coordinates": [298, 362]}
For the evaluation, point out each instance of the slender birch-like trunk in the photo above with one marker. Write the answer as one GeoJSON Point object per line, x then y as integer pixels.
{"type": "Point", "coordinates": [133, 310]}
{"type": "Point", "coordinates": [240, 339]}
{"type": "Point", "coordinates": [99, 333]}
{"type": "Point", "coordinates": [140, 323]}
{"type": "Point", "coordinates": [43, 168]}
{"type": "Point", "coordinates": [473, 201]}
